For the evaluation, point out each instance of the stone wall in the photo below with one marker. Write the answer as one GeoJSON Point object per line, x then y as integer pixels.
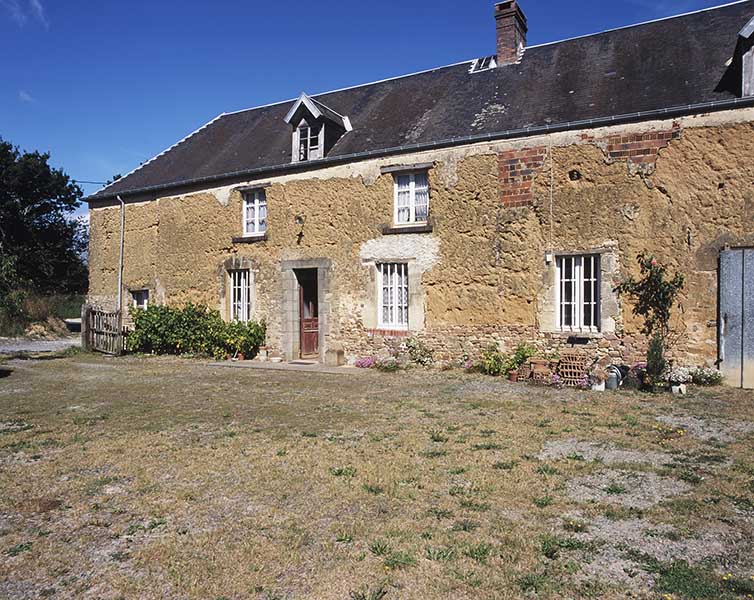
{"type": "Point", "coordinates": [681, 190]}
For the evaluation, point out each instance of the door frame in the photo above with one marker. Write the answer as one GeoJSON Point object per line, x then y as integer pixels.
{"type": "Point", "coordinates": [290, 306]}
{"type": "Point", "coordinates": [301, 318]}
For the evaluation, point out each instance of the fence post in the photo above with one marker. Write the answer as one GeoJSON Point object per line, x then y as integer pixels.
{"type": "Point", "coordinates": [85, 327]}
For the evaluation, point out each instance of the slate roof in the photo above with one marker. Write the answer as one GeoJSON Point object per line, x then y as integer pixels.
{"type": "Point", "coordinates": [665, 64]}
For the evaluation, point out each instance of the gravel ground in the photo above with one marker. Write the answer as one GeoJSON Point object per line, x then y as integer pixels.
{"type": "Point", "coordinates": [13, 345]}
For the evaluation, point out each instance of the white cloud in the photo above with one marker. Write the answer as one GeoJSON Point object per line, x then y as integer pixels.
{"type": "Point", "coordinates": [22, 10]}
{"type": "Point", "coordinates": [39, 12]}
{"type": "Point", "coordinates": [15, 10]}
{"type": "Point", "coordinates": [26, 97]}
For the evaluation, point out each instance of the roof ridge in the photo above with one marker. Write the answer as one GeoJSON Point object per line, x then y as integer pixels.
{"type": "Point", "coordinates": [668, 18]}
{"type": "Point", "coordinates": [463, 62]}
{"type": "Point", "coordinates": [352, 87]}
{"type": "Point", "coordinates": [156, 156]}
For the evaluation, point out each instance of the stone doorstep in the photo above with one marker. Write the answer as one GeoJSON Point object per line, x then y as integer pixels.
{"type": "Point", "coordinates": [269, 366]}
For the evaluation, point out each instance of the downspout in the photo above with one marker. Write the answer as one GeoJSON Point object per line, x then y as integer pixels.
{"type": "Point", "coordinates": [120, 258]}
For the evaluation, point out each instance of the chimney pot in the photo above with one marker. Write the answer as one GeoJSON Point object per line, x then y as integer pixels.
{"type": "Point", "coordinates": [511, 32]}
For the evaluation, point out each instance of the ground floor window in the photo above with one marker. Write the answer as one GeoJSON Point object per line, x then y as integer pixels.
{"type": "Point", "coordinates": [240, 294]}
{"type": "Point", "coordinates": [393, 292]}
{"type": "Point", "coordinates": [578, 292]}
{"type": "Point", "coordinates": [140, 299]}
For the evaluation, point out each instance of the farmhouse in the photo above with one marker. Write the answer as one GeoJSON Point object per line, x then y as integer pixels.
{"type": "Point", "coordinates": [497, 200]}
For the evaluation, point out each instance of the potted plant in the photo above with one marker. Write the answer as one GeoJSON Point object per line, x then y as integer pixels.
{"type": "Point", "coordinates": [678, 377]}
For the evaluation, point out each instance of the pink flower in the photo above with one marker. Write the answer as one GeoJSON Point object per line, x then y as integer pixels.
{"type": "Point", "coordinates": [654, 262]}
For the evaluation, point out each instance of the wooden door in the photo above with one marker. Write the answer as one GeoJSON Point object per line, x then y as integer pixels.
{"type": "Point", "coordinates": [309, 313]}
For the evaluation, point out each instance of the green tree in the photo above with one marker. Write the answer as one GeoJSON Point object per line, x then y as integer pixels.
{"type": "Point", "coordinates": [654, 295]}
{"type": "Point", "coordinates": [36, 229]}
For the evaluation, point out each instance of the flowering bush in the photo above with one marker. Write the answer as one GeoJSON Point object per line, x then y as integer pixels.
{"type": "Point", "coordinates": [706, 376]}
{"type": "Point", "coordinates": [366, 363]}
{"type": "Point", "coordinates": [418, 353]}
{"type": "Point", "coordinates": [679, 375]}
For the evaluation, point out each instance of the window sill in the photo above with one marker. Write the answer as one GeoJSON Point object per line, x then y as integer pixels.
{"type": "Point", "coordinates": [388, 332]}
{"type": "Point", "coordinates": [412, 228]}
{"type": "Point", "coordinates": [589, 335]}
{"type": "Point", "coordinates": [250, 239]}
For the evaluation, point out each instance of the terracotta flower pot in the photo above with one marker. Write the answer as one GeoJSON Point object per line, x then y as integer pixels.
{"type": "Point", "coordinates": [241, 356]}
{"type": "Point", "coordinates": [513, 376]}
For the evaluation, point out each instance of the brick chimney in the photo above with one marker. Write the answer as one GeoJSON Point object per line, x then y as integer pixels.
{"type": "Point", "coordinates": [511, 32]}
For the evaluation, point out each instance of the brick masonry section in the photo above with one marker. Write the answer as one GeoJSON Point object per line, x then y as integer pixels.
{"type": "Point", "coordinates": [517, 169]}
{"type": "Point", "coordinates": [640, 148]}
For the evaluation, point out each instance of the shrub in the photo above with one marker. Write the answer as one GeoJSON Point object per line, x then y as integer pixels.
{"type": "Point", "coordinates": [192, 329]}
{"type": "Point", "coordinates": [493, 361]}
{"type": "Point", "coordinates": [418, 353]}
{"type": "Point", "coordinates": [706, 376]}
{"type": "Point", "coordinates": [388, 365]}
{"type": "Point", "coordinates": [496, 363]}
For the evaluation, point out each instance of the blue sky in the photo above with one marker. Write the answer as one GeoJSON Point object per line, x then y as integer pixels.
{"type": "Point", "coordinates": [104, 85]}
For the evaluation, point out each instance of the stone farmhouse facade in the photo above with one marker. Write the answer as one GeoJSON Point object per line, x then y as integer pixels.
{"type": "Point", "coordinates": [498, 200]}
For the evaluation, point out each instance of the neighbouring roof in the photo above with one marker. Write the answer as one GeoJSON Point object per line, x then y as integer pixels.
{"type": "Point", "coordinates": [665, 64]}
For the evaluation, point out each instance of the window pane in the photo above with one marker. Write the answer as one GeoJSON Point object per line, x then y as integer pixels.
{"type": "Point", "coordinates": [421, 181]}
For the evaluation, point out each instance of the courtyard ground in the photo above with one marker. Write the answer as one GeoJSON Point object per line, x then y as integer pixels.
{"type": "Point", "coordinates": [169, 478]}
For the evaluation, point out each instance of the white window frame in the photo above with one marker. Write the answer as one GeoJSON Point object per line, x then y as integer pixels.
{"type": "Point", "coordinates": [578, 307]}
{"type": "Point", "coordinates": [394, 277]}
{"type": "Point", "coordinates": [240, 295]}
{"type": "Point", "coordinates": [257, 200]}
{"type": "Point", "coordinates": [412, 220]}
{"type": "Point", "coordinates": [137, 295]}
{"type": "Point", "coordinates": [311, 153]}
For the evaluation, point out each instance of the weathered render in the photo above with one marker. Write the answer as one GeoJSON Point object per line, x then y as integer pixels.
{"type": "Point", "coordinates": [482, 272]}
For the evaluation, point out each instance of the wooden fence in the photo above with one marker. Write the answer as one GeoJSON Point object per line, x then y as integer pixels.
{"type": "Point", "coordinates": [101, 330]}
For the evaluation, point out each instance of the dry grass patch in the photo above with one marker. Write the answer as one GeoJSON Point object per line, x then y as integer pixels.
{"type": "Point", "coordinates": [167, 478]}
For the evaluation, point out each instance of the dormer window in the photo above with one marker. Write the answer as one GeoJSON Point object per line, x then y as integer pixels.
{"type": "Point", "coordinates": [483, 64]}
{"type": "Point", "coordinates": [316, 129]}
{"type": "Point", "coordinates": [309, 143]}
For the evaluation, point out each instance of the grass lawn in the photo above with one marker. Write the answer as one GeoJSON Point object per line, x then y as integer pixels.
{"type": "Point", "coordinates": [170, 478]}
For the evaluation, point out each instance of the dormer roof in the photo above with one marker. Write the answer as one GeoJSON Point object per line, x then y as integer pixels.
{"type": "Point", "coordinates": [306, 104]}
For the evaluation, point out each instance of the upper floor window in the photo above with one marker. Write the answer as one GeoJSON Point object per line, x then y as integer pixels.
{"type": "Point", "coordinates": [140, 299]}
{"type": "Point", "coordinates": [255, 212]}
{"type": "Point", "coordinates": [411, 198]}
{"type": "Point", "coordinates": [308, 141]}
{"type": "Point", "coordinates": [578, 293]}
{"type": "Point", "coordinates": [393, 295]}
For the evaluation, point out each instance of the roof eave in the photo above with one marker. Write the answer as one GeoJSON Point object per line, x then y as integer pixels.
{"type": "Point", "coordinates": [676, 111]}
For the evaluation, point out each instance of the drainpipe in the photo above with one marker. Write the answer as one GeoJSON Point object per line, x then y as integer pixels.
{"type": "Point", "coordinates": [120, 259]}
